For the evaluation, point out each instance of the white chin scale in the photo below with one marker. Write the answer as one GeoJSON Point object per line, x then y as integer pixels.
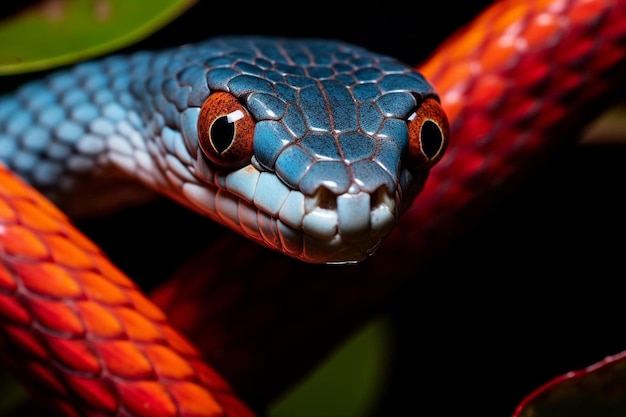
{"type": "Point", "coordinates": [318, 229]}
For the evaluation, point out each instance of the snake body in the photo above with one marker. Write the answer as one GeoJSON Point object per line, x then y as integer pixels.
{"type": "Point", "coordinates": [111, 363]}
{"type": "Point", "coordinates": [327, 141]}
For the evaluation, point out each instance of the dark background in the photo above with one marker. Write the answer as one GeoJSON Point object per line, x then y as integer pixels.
{"type": "Point", "coordinates": [533, 292]}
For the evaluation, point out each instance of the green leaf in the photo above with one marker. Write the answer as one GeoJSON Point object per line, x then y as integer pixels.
{"type": "Point", "coordinates": [59, 32]}
{"type": "Point", "coordinates": [348, 384]}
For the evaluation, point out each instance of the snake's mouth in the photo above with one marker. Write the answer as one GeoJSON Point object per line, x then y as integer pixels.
{"type": "Point", "coordinates": [320, 228]}
{"type": "Point", "coordinates": [326, 228]}
{"type": "Point", "coordinates": [339, 229]}
{"type": "Point", "coordinates": [352, 216]}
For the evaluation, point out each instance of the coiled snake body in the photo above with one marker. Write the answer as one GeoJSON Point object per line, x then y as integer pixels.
{"type": "Point", "coordinates": [227, 118]}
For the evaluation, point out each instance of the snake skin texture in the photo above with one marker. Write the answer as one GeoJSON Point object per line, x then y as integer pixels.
{"type": "Point", "coordinates": [111, 349]}
{"type": "Point", "coordinates": [263, 334]}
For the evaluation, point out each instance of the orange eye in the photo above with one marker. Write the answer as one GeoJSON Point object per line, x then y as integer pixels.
{"type": "Point", "coordinates": [428, 134]}
{"type": "Point", "coordinates": [226, 131]}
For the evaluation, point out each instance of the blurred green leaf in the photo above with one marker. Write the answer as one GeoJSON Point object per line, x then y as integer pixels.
{"type": "Point", "coordinates": [347, 384]}
{"type": "Point", "coordinates": [59, 32]}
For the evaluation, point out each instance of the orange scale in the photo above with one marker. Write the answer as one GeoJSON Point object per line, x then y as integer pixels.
{"type": "Point", "coordinates": [7, 280]}
{"type": "Point", "coordinates": [431, 68]}
{"type": "Point", "coordinates": [95, 392]}
{"type": "Point", "coordinates": [65, 252]}
{"type": "Point", "coordinates": [488, 15]}
{"type": "Point", "coordinates": [178, 342]}
{"type": "Point", "coordinates": [23, 243]}
{"type": "Point", "coordinates": [145, 306]}
{"type": "Point", "coordinates": [111, 272]}
{"type": "Point", "coordinates": [75, 354]}
{"type": "Point", "coordinates": [209, 377]}
{"type": "Point", "coordinates": [499, 54]}
{"type": "Point", "coordinates": [13, 311]}
{"type": "Point", "coordinates": [544, 4]}
{"type": "Point", "coordinates": [12, 185]}
{"type": "Point", "coordinates": [194, 400]}
{"type": "Point", "coordinates": [489, 90]}
{"type": "Point", "coordinates": [544, 26]}
{"type": "Point", "coordinates": [465, 46]}
{"type": "Point", "coordinates": [167, 363]}
{"type": "Point", "coordinates": [48, 279]}
{"type": "Point", "coordinates": [147, 399]}
{"type": "Point", "coordinates": [79, 239]}
{"type": "Point", "coordinates": [138, 327]}
{"type": "Point", "coordinates": [452, 109]}
{"type": "Point", "coordinates": [7, 213]}
{"type": "Point", "coordinates": [509, 15]}
{"type": "Point", "coordinates": [33, 217]}
{"type": "Point", "coordinates": [124, 359]}
{"type": "Point", "coordinates": [580, 14]}
{"type": "Point", "coordinates": [98, 288]}
{"type": "Point", "coordinates": [56, 316]}
{"type": "Point", "coordinates": [45, 205]}
{"type": "Point", "coordinates": [455, 77]}
{"type": "Point", "coordinates": [99, 321]}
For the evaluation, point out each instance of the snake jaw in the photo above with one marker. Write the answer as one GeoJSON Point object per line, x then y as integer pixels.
{"type": "Point", "coordinates": [321, 228]}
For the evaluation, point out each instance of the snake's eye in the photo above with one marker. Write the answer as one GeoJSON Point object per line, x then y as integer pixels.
{"type": "Point", "coordinates": [428, 134]}
{"type": "Point", "coordinates": [226, 131]}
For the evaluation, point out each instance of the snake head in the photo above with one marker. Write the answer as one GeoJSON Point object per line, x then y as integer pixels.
{"type": "Point", "coordinates": [316, 147]}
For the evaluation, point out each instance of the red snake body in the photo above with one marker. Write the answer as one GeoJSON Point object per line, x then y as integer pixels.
{"type": "Point", "coordinates": [518, 84]}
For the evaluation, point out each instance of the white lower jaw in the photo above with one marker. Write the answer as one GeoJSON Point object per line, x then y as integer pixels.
{"type": "Point", "coordinates": [326, 245]}
{"type": "Point", "coordinates": [286, 221]}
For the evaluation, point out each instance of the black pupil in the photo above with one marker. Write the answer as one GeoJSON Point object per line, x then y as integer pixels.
{"type": "Point", "coordinates": [222, 133]}
{"type": "Point", "coordinates": [431, 138]}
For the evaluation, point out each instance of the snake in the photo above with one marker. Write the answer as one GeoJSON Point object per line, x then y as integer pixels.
{"type": "Point", "coordinates": [319, 150]}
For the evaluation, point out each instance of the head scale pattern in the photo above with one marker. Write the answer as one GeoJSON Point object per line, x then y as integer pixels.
{"type": "Point", "coordinates": [322, 106]}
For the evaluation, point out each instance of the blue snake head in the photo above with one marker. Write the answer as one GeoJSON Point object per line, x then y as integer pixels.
{"type": "Point", "coordinates": [316, 147]}
{"type": "Point", "coordinates": [311, 147]}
